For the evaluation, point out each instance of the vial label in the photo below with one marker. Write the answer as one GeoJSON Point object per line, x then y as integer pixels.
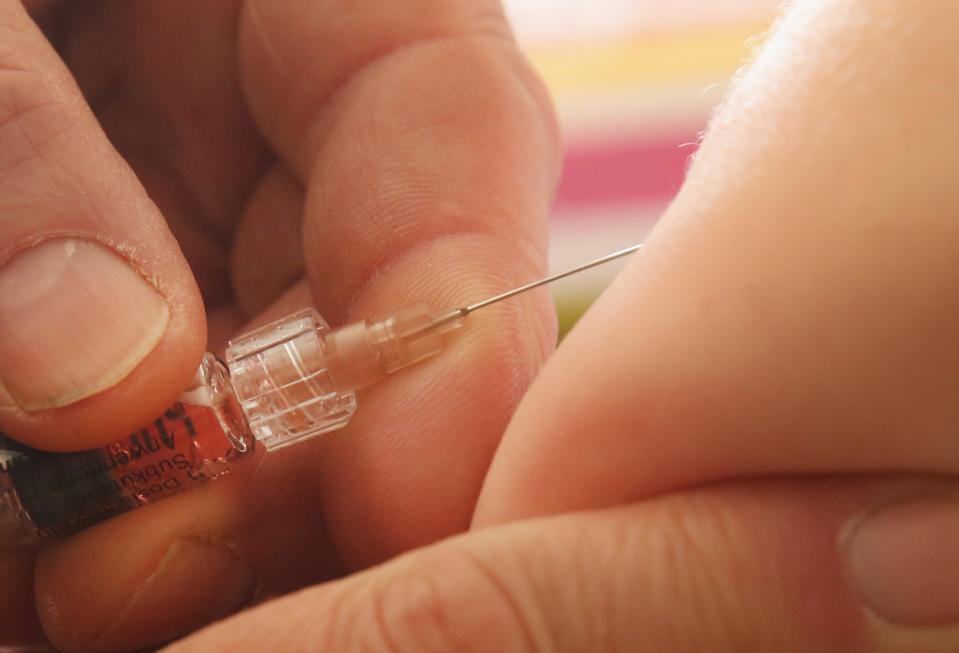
{"type": "Point", "coordinates": [62, 493]}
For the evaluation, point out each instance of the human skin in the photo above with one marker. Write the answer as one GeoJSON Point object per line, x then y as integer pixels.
{"type": "Point", "coordinates": [749, 443]}
{"type": "Point", "coordinates": [255, 157]}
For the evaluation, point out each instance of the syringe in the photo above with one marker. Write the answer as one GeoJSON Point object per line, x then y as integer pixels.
{"type": "Point", "coordinates": [282, 383]}
{"type": "Point", "coordinates": [362, 353]}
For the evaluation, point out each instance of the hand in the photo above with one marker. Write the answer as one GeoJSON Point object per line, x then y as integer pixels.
{"type": "Point", "coordinates": [743, 566]}
{"type": "Point", "coordinates": [418, 154]}
{"type": "Point", "coordinates": [764, 403]}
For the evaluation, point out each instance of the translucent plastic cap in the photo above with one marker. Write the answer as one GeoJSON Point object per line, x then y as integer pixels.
{"type": "Point", "coordinates": [282, 382]}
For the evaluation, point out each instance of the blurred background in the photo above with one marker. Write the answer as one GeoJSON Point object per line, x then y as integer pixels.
{"type": "Point", "coordinates": [634, 82]}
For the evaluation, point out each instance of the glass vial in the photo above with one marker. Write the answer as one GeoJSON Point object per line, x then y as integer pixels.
{"type": "Point", "coordinates": [51, 495]}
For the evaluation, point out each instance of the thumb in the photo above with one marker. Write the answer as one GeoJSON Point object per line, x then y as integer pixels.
{"type": "Point", "coordinates": [100, 319]}
{"type": "Point", "coordinates": [794, 566]}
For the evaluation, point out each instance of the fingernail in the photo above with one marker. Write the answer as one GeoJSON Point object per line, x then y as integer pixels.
{"type": "Point", "coordinates": [196, 583]}
{"type": "Point", "coordinates": [903, 562]}
{"type": "Point", "coordinates": [75, 319]}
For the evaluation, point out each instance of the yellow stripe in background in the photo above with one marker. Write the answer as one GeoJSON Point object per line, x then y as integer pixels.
{"type": "Point", "coordinates": [647, 59]}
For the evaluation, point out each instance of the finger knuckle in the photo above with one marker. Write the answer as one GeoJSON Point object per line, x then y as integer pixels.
{"type": "Point", "coordinates": [455, 602]}
{"type": "Point", "coordinates": [699, 566]}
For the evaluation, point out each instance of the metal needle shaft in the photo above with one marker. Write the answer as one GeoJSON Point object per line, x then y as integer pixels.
{"type": "Point", "coordinates": [529, 286]}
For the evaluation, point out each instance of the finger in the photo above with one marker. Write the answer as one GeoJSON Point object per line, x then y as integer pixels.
{"type": "Point", "coordinates": [199, 557]}
{"type": "Point", "coordinates": [168, 96]}
{"type": "Point", "coordinates": [794, 311]}
{"type": "Point", "coordinates": [267, 255]}
{"type": "Point", "coordinates": [100, 320]}
{"type": "Point", "coordinates": [760, 566]}
{"type": "Point", "coordinates": [19, 625]}
{"type": "Point", "coordinates": [429, 159]}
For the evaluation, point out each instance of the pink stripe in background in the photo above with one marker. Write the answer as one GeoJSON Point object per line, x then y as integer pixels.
{"type": "Point", "coordinates": [624, 172]}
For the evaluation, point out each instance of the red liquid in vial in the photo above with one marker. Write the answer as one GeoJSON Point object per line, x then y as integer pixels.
{"type": "Point", "coordinates": [56, 494]}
